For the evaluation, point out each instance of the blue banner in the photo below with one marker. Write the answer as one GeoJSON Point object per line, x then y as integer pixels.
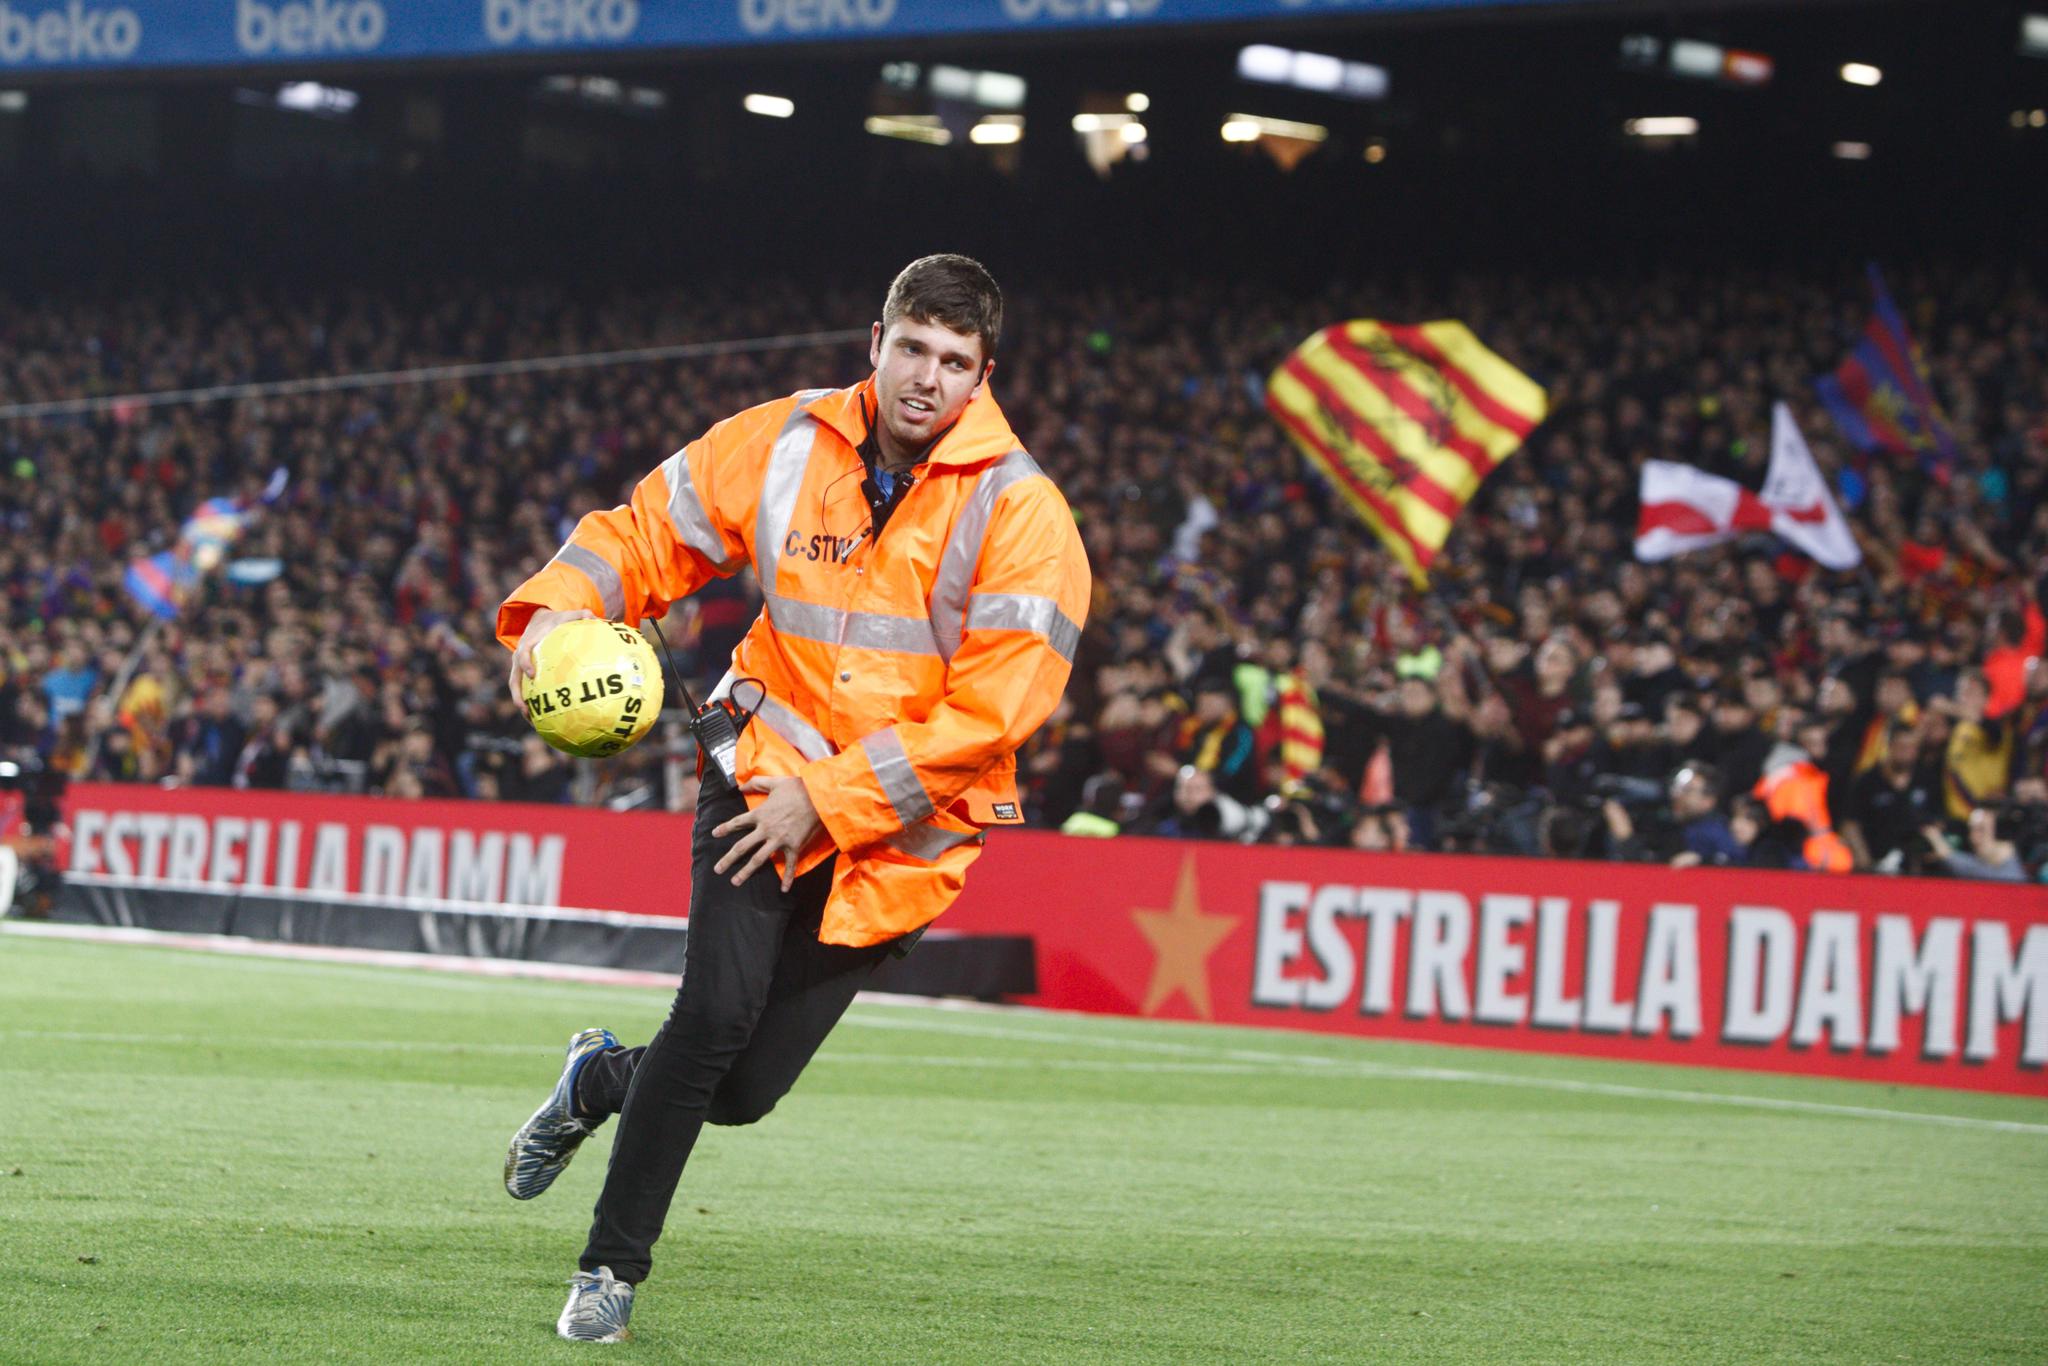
{"type": "Point", "coordinates": [72, 35]}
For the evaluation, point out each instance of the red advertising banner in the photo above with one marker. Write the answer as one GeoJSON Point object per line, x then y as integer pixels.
{"type": "Point", "coordinates": [1882, 979]}
{"type": "Point", "coordinates": [408, 852]}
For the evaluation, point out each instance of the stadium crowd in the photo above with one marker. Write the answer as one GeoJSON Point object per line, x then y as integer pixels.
{"type": "Point", "coordinates": [1254, 668]}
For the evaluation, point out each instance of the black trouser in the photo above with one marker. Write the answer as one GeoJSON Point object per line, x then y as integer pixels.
{"type": "Point", "coordinates": [759, 994]}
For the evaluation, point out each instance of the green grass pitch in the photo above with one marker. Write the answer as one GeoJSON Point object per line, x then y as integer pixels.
{"type": "Point", "coordinates": [217, 1158]}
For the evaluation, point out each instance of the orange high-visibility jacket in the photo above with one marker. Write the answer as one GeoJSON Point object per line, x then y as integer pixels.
{"type": "Point", "coordinates": [902, 672]}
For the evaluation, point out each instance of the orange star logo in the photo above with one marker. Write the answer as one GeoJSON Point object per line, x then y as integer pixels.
{"type": "Point", "coordinates": [1182, 938]}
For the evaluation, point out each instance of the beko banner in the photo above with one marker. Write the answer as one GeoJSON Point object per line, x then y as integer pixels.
{"type": "Point", "coordinates": [68, 35]}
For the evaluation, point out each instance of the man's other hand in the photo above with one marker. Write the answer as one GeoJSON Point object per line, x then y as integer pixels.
{"type": "Point", "coordinates": [783, 825]}
{"type": "Point", "coordinates": [537, 628]}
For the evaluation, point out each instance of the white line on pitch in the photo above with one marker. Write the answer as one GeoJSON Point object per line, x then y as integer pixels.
{"type": "Point", "coordinates": [243, 1041]}
{"type": "Point", "coordinates": [950, 1023]}
{"type": "Point", "coordinates": [1270, 1064]}
{"type": "Point", "coordinates": [1314, 1064]}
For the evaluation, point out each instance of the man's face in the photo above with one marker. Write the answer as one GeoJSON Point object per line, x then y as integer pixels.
{"type": "Point", "coordinates": [1836, 698]}
{"type": "Point", "coordinates": [1606, 705]}
{"type": "Point", "coordinates": [1683, 725]}
{"type": "Point", "coordinates": [1972, 697]}
{"type": "Point", "coordinates": [1691, 798]}
{"type": "Point", "coordinates": [1892, 695]}
{"type": "Point", "coordinates": [1731, 716]}
{"type": "Point", "coordinates": [1554, 663]}
{"type": "Point", "coordinates": [925, 374]}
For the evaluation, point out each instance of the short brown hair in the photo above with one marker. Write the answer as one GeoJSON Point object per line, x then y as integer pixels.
{"type": "Point", "coordinates": [952, 291]}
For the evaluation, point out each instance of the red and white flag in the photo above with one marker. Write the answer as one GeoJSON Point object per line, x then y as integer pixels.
{"type": "Point", "coordinates": [1688, 509]}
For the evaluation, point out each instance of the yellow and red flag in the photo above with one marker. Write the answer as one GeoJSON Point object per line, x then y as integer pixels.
{"type": "Point", "coordinates": [1405, 421]}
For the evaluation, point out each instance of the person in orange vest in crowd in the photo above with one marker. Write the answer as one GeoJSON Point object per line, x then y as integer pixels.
{"type": "Point", "coordinates": [2021, 637]}
{"type": "Point", "coordinates": [925, 592]}
{"type": "Point", "coordinates": [1795, 787]}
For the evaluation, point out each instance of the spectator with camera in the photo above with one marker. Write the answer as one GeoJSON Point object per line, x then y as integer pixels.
{"type": "Point", "coordinates": [1688, 832]}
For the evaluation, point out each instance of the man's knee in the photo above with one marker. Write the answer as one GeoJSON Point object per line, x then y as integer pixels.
{"type": "Point", "coordinates": [738, 1102]}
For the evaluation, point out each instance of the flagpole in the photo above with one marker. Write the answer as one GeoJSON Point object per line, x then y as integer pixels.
{"type": "Point", "coordinates": [122, 679]}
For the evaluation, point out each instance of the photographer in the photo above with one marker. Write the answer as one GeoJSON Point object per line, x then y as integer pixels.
{"type": "Point", "coordinates": [1200, 811]}
{"type": "Point", "coordinates": [1690, 832]}
{"type": "Point", "coordinates": [29, 868]}
{"type": "Point", "coordinates": [1308, 812]}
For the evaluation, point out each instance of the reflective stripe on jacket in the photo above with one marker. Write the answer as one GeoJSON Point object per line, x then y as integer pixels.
{"type": "Point", "coordinates": [902, 673]}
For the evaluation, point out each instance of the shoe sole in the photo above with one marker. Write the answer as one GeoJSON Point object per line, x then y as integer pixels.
{"type": "Point", "coordinates": [519, 1138]}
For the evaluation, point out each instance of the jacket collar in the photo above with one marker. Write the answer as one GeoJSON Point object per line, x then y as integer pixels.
{"type": "Point", "coordinates": [982, 433]}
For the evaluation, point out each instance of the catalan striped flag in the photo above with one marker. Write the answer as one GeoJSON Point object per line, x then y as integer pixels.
{"type": "Point", "coordinates": [161, 582]}
{"type": "Point", "coordinates": [157, 581]}
{"type": "Point", "coordinates": [1405, 421]}
{"type": "Point", "coordinates": [1879, 395]}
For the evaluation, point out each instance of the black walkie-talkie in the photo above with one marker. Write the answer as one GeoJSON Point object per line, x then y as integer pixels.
{"type": "Point", "coordinates": [716, 725]}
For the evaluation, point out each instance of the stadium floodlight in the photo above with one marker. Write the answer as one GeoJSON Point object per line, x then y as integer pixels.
{"type": "Point", "coordinates": [1103, 123]}
{"type": "Point", "coordinates": [924, 128]}
{"type": "Point", "coordinates": [1109, 136]}
{"type": "Point", "coordinates": [603, 92]}
{"type": "Point", "coordinates": [311, 97]}
{"type": "Point", "coordinates": [1252, 127]}
{"type": "Point", "coordinates": [2034, 35]}
{"type": "Point", "coordinates": [997, 130]}
{"type": "Point", "coordinates": [13, 101]}
{"type": "Point", "coordinates": [1662, 126]}
{"type": "Point", "coordinates": [998, 90]}
{"type": "Point", "coordinates": [1690, 57]}
{"type": "Point", "coordinates": [1316, 71]}
{"type": "Point", "coordinates": [769, 106]}
{"type": "Point", "coordinates": [1694, 59]}
{"type": "Point", "coordinates": [1376, 151]}
{"type": "Point", "coordinates": [1852, 151]}
{"type": "Point", "coordinates": [1861, 73]}
{"type": "Point", "coordinates": [1137, 101]}
{"type": "Point", "coordinates": [989, 89]}
{"type": "Point", "coordinates": [1264, 62]}
{"type": "Point", "coordinates": [1746, 68]}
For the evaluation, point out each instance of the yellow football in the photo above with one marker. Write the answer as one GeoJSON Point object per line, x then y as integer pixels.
{"type": "Point", "coordinates": [596, 688]}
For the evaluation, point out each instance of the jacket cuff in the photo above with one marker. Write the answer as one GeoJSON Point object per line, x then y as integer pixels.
{"type": "Point", "coordinates": [852, 791]}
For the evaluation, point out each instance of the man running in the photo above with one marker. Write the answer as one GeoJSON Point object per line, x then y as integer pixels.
{"type": "Point", "coordinates": [925, 589]}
